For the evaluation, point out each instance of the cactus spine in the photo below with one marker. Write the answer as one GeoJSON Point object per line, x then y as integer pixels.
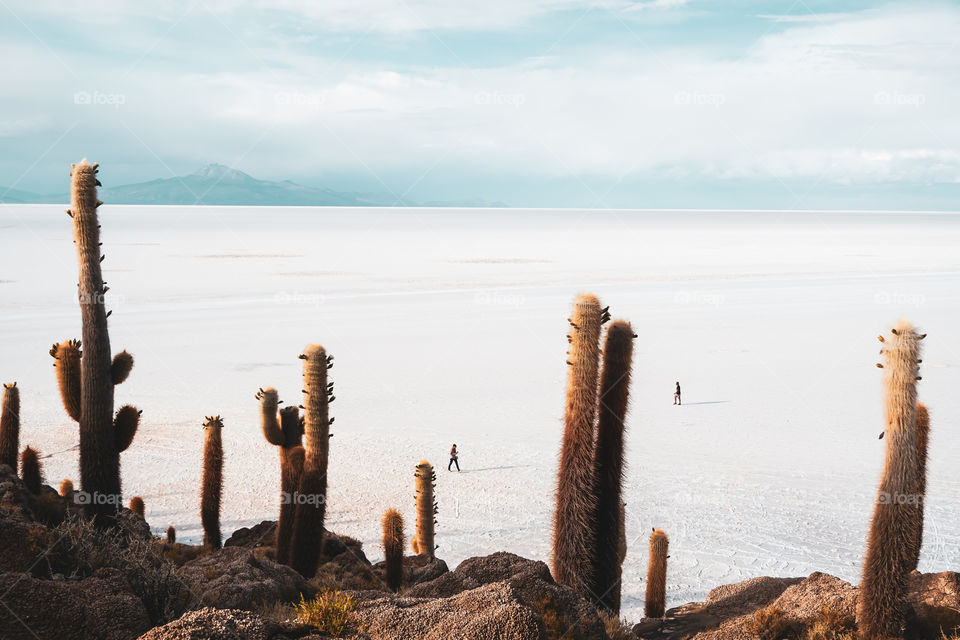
{"type": "Point", "coordinates": [286, 433]}
{"type": "Point", "coordinates": [882, 607]}
{"type": "Point", "coordinates": [30, 471]}
{"type": "Point", "coordinates": [922, 439]}
{"type": "Point", "coordinates": [137, 506]}
{"type": "Point", "coordinates": [608, 463]}
{"type": "Point", "coordinates": [212, 481]}
{"type": "Point", "coordinates": [656, 602]}
{"type": "Point", "coordinates": [10, 425]}
{"type": "Point", "coordinates": [423, 543]}
{"type": "Point", "coordinates": [393, 548]}
{"type": "Point", "coordinates": [573, 522]}
{"type": "Point", "coordinates": [86, 381]}
{"type": "Point", "coordinates": [66, 488]}
{"type": "Point", "coordinates": [307, 538]}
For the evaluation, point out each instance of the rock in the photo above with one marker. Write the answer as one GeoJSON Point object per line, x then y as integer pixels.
{"type": "Point", "coordinates": [216, 624]}
{"type": "Point", "coordinates": [503, 566]}
{"type": "Point", "coordinates": [449, 584]}
{"type": "Point", "coordinates": [345, 566]}
{"type": "Point", "coordinates": [102, 607]}
{"type": "Point", "coordinates": [21, 544]}
{"type": "Point", "coordinates": [803, 601]}
{"type": "Point", "coordinates": [935, 598]}
{"type": "Point", "coordinates": [731, 600]}
{"type": "Point", "coordinates": [416, 569]}
{"type": "Point", "coordinates": [235, 578]}
{"type": "Point", "coordinates": [491, 611]}
{"type": "Point", "coordinates": [261, 535]}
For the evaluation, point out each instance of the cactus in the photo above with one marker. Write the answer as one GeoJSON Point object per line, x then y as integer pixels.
{"type": "Point", "coordinates": [882, 606]}
{"type": "Point", "coordinates": [137, 506]}
{"type": "Point", "coordinates": [212, 481]}
{"type": "Point", "coordinates": [86, 380]}
{"type": "Point", "coordinates": [66, 488]}
{"type": "Point", "coordinates": [573, 522]}
{"type": "Point", "coordinates": [286, 433]}
{"type": "Point", "coordinates": [656, 602]}
{"type": "Point", "coordinates": [393, 548]}
{"type": "Point", "coordinates": [10, 425]}
{"type": "Point", "coordinates": [422, 543]}
{"type": "Point", "coordinates": [30, 471]}
{"type": "Point", "coordinates": [922, 437]}
{"type": "Point", "coordinates": [171, 535]}
{"type": "Point", "coordinates": [608, 463]}
{"type": "Point", "coordinates": [291, 468]}
{"type": "Point", "coordinates": [307, 538]}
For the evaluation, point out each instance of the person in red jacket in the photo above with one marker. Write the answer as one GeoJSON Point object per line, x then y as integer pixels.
{"type": "Point", "coordinates": [453, 458]}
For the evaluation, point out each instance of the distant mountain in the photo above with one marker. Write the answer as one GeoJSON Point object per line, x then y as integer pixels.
{"type": "Point", "coordinates": [216, 184]}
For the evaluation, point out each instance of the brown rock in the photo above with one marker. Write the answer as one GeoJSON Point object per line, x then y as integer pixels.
{"type": "Point", "coordinates": [803, 601]}
{"type": "Point", "coordinates": [935, 598]}
{"type": "Point", "coordinates": [261, 535]}
{"type": "Point", "coordinates": [235, 578]}
{"type": "Point", "coordinates": [102, 607]}
{"type": "Point", "coordinates": [216, 624]}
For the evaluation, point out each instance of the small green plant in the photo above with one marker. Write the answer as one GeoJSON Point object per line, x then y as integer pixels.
{"type": "Point", "coordinates": [330, 611]}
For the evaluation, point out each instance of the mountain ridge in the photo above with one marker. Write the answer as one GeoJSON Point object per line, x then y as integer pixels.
{"type": "Point", "coordinates": [221, 185]}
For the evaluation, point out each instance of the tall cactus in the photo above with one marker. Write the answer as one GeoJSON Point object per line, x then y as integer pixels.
{"type": "Point", "coordinates": [10, 425]}
{"type": "Point", "coordinates": [882, 606]}
{"type": "Point", "coordinates": [573, 522]}
{"type": "Point", "coordinates": [423, 543]}
{"type": "Point", "coordinates": [307, 539]}
{"type": "Point", "coordinates": [212, 481]}
{"type": "Point", "coordinates": [393, 548]}
{"type": "Point", "coordinates": [87, 381]}
{"type": "Point", "coordinates": [656, 602]}
{"type": "Point", "coordinates": [608, 465]}
{"type": "Point", "coordinates": [30, 470]}
{"type": "Point", "coordinates": [922, 439]}
{"type": "Point", "coordinates": [285, 431]}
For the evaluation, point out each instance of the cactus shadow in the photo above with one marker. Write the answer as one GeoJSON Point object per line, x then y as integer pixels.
{"type": "Point", "coordinates": [690, 404]}
{"type": "Point", "coordinates": [516, 466]}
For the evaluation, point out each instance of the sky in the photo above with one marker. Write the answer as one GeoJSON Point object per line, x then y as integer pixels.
{"type": "Point", "coordinates": [642, 103]}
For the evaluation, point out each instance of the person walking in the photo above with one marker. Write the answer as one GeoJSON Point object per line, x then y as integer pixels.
{"type": "Point", "coordinates": [453, 458]}
{"type": "Point", "coordinates": [676, 394]}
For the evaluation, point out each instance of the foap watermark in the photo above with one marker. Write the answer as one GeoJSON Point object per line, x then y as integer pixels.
{"type": "Point", "coordinates": [295, 297]}
{"type": "Point", "coordinates": [894, 98]}
{"type": "Point", "coordinates": [499, 298]}
{"type": "Point", "coordinates": [100, 297]}
{"type": "Point", "coordinates": [295, 497]}
{"type": "Point", "coordinates": [702, 298]}
{"type": "Point", "coordinates": [899, 298]}
{"type": "Point", "coordinates": [86, 498]}
{"type": "Point", "coordinates": [296, 99]}
{"type": "Point", "coordinates": [115, 100]}
{"type": "Point", "coordinates": [885, 497]}
{"type": "Point", "coordinates": [695, 98]}
{"type": "Point", "coordinates": [495, 98]}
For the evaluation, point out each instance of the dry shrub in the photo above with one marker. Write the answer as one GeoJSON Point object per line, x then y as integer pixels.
{"type": "Point", "coordinates": [830, 624]}
{"type": "Point", "coordinates": [771, 623]}
{"type": "Point", "coordinates": [616, 628]}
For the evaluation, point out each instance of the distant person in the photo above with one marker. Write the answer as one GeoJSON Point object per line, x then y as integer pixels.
{"type": "Point", "coordinates": [676, 394]}
{"type": "Point", "coordinates": [453, 458]}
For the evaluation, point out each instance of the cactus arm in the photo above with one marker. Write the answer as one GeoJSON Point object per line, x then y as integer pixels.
{"type": "Point", "coordinates": [882, 606]}
{"type": "Point", "coordinates": [393, 548]}
{"type": "Point", "coordinates": [125, 425]}
{"type": "Point", "coordinates": [292, 427]}
{"type": "Point", "coordinates": [608, 463]}
{"type": "Point", "coordinates": [99, 458]}
{"type": "Point", "coordinates": [291, 466]}
{"type": "Point", "coordinates": [120, 367]}
{"type": "Point", "coordinates": [10, 425]}
{"type": "Point", "coordinates": [922, 441]}
{"type": "Point", "coordinates": [67, 356]}
{"type": "Point", "coordinates": [269, 423]}
{"type": "Point", "coordinates": [211, 491]}
{"type": "Point", "coordinates": [573, 527]}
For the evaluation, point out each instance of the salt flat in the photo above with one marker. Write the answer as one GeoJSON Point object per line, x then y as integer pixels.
{"type": "Point", "coordinates": [449, 326]}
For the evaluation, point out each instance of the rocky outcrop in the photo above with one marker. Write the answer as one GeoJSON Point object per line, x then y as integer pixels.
{"type": "Point", "coordinates": [103, 607]}
{"type": "Point", "coordinates": [260, 535]}
{"type": "Point", "coordinates": [217, 624]}
{"type": "Point", "coordinates": [236, 578]}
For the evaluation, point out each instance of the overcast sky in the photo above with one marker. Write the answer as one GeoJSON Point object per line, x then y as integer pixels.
{"type": "Point", "coordinates": [652, 103]}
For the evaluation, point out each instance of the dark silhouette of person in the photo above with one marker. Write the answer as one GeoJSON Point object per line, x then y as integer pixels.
{"type": "Point", "coordinates": [453, 458]}
{"type": "Point", "coordinates": [676, 394]}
